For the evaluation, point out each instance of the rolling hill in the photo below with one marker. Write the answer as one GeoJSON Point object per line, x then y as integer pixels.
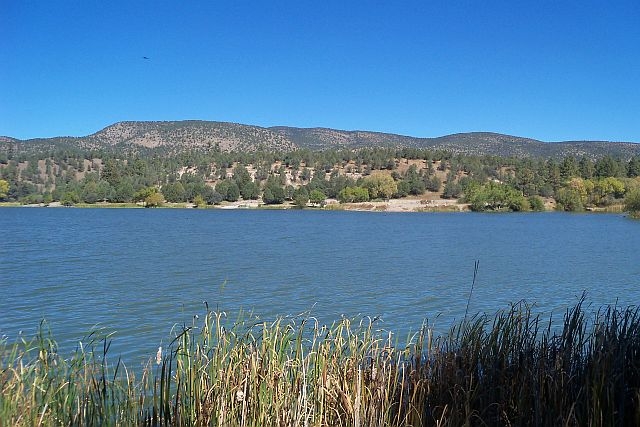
{"type": "Point", "coordinates": [176, 136]}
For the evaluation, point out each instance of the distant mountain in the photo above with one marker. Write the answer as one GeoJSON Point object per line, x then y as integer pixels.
{"type": "Point", "coordinates": [177, 136]}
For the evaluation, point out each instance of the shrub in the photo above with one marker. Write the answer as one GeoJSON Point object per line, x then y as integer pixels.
{"type": "Point", "coordinates": [536, 203]}
{"type": "Point", "coordinates": [632, 202]}
{"type": "Point", "coordinates": [154, 200]}
{"type": "Point", "coordinates": [317, 197]}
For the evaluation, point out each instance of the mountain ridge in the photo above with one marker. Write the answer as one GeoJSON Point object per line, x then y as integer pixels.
{"type": "Point", "coordinates": [177, 136]}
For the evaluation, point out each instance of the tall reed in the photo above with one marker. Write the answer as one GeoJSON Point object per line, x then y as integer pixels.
{"type": "Point", "coordinates": [507, 369]}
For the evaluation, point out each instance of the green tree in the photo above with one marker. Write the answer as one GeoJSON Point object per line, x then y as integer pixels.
{"type": "Point", "coordinates": [317, 197]}
{"type": "Point", "coordinates": [305, 174]}
{"type": "Point", "coordinates": [403, 189]}
{"type": "Point", "coordinates": [90, 192]}
{"type": "Point", "coordinates": [174, 192]}
{"type": "Point", "coordinates": [452, 188]}
{"type": "Point", "coordinates": [431, 183]}
{"type": "Point", "coordinates": [123, 191]}
{"type": "Point", "coordinates": [494, 196]}
{"type": "Point", "coordinates": [289, 192]}
{"type": "Point", "coordinates": [229, 190]}
{"type": "Point", "coordinates": [416, 183]}
{"type": "Point", "coordinates": [233, 192]}
{"type": "Point", "coordinates": [633, 168]}
{"type": "Point", "coordinates": [273, 192]}
{"type": "Point", "coordinates": [353, 195]}
{"type": "Point", "coordinates": [142, 194]}
{"type": "Point", "coordinates": [241, 175]}
{"type": "Point", "coordinates": [569, 168]}
{"type": "Point", "coordinates": [586, 168]}
{"type": "Point", "coordinates": [318, 181]}
{"type": "Point", "coordinates": [271, 196]}
{"type": "Point", "coordinates": [553, 175]}
{"type": "Point", "coordinates": [70, 198]}
{"type": "Point", "coordinates": [301, 197]}
{"type": "Point", "coordinates": [104, 191]}
{"type": "Point", "coordinates": [608, 166]}
{"type": "Point", "coordinates": [250, 190]}
{"type": "Point", "coordinates": [112, 172]}
{"type": "Point", "coordinates": [211, 196]}
{"type": "Point", "coordinates": [536, 203]}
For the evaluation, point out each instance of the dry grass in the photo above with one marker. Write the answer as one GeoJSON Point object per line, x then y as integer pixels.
{"type": "Point", "coordinates": [506, 369]}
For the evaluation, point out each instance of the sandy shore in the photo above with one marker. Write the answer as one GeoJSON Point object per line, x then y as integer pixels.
{"type": "Point", "coordinates": [404, 205]}
{"type": "Point", "coordinates": [409, 204]}
{"type": "Point", "coordinates": [245, 204]}
{"type": "Point", "coordinates": [416, 204]}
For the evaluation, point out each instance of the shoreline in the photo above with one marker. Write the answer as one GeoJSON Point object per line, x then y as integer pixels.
{"type": "Point", "coordinates": [415, 205]}
{"type": "Point", "coordinates": [391, 205]}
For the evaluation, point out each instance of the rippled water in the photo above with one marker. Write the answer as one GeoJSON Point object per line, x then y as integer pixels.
{"type": "Point", "coordinates": [140, 271]}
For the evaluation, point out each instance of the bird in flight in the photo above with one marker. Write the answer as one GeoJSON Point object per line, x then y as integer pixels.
{"type": "Point", "coordinates": [145, 57]}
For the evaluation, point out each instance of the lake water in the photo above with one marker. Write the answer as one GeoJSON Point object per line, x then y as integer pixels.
{"type": "Point", "coordinates": [138, 272]}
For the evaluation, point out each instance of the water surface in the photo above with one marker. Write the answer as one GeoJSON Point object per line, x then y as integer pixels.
{"type": "Point", "coordinates": [138, 272]}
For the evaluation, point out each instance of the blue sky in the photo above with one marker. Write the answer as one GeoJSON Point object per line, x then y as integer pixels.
{"type": "Point", "coordinates": [550, 70]}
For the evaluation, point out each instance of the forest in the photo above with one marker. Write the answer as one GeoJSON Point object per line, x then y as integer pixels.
{"type": "Point", "coordinates": [306, 177]}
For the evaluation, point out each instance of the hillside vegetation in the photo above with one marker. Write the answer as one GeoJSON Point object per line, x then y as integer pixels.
{"type": "Point", "coordinates": [176, 136]}
{"type": "Point", "coordinates": [211, 163]}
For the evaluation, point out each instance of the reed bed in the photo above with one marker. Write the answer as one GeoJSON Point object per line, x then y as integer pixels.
{"type": "Point", "coordinates": [509, 368]}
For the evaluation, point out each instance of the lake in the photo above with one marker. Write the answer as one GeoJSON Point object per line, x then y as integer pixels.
{"type": "Point", "coordinates": [138, 272]}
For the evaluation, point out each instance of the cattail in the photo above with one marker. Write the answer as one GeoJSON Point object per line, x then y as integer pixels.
{"type": "Point", "coordinates": [159, 356]}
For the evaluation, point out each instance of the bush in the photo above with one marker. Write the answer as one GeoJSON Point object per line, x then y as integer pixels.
{"type": "Point", "coordinates": [495, 197]}
{"type": "Point", "coordinates": [153, 200]}
{"type": "Point", "coordinates": [536, 203]}
{"type": "Point", "coordinates": [632, 202]}
{"type": "Point", "coordinates": [199, 201]}
{"type": "Point", "coordinates": [317, 197]}
{"type": "Point", "coordinates": [301, 197]}
{"type": "Point", "coordinates": [353, 195]}
{"type": "Point", "coordinates": [70, 198]}
{"type": "Point", "coordinates": [569, 199]}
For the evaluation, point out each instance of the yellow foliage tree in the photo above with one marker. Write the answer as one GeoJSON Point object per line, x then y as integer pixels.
{"type": "Point", "coordinates": [153, 200]}
{"type": "Point", "coordinates": [380, 185]}
{"type": "Point", "coordinates": [4, 189]}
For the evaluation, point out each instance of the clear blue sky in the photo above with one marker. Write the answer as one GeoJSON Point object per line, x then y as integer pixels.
{"type": "Point", "coordinates": [551, 70]}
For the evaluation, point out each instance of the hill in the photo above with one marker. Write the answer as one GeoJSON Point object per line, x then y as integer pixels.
{"type": "Point", "coordinates": [178, 136]}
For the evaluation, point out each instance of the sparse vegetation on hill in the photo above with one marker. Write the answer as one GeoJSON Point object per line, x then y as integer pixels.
{"type": "Point", "coordinates": [173, 137]}
{"type": "Point", "coordinates": [208, 174]}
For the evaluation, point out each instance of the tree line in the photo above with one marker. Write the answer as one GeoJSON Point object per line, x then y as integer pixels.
{"type": "Point", "coordinates": [305, 176]}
